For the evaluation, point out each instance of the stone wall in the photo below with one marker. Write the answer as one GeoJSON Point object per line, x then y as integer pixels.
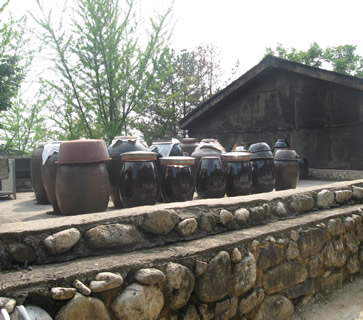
{"type": "Point", "coordinates": [280, 249]}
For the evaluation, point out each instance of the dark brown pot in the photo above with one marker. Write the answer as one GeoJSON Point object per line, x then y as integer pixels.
{"type": "Point", "coordinates": [211, 182]}
{"type": "Point", "coordinates": [36, 175]}
{"type": "Point", "coordinates": [287, 169]}
{"type": "Point", "coordinates": [82, 188]}
{"type": "Point", "coordinates": [238, 172]}
{"type": "Point", "coordinates": [263, 169]}
{"type": "Point", "coordinates": [119, 146]}
{"type": "Point", "coordinates": [49, 175]}
{"type": "Point", "coordinates": [188, 145]}
{"type": "Point", "coordinates": [177, 182]}
{"type": "Point", "coordinates": [139, 182]}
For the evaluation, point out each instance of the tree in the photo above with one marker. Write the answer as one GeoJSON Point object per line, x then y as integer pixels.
{"type": "Point", "coordinates": [341, 59]}
{"type": "Point", "coordinates": [104, 72]}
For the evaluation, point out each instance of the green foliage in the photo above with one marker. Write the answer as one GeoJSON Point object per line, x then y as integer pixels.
{"type": "Point", "coordinates": [342, 59]}
{"type": "Point", "coordinates": [104, 71]}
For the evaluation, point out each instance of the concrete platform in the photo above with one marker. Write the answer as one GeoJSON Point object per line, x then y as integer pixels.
{"type": "Point", "coordinates": [25, 207]}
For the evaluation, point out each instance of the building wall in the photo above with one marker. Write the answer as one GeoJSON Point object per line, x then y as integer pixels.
{"type": "Point", "coordinates": [321, 120]}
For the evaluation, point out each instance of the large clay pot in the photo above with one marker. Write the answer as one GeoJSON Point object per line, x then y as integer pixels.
{"type": "Point", "coordinates": [119, 146]}
{"type": "Point", "coordinates": [82, 179]}
{"type": "Point", "coordinates": [188, 145]}
{"type": "Point", "coordinates": [177, 182]}
{"type": "Point", "coordinates": [49, 172]}
{"type": "Point", "coordinates": [238, 172]}
{"type": "Point", "coordinates": [139, 182]}
{"type": "Point", "coordinates": [263, 169]}
{"type": "Point", "coordinates": [211, 182]}
{"type": "Point", "coordinates": [287, 169]}
{"type": "Point", "coordinates": [36, 175]}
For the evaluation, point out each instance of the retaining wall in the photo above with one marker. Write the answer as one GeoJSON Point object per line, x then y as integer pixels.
{"type": "Point", "coordinates": [253, 257]}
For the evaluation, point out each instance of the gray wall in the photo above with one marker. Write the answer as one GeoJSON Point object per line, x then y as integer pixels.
{"type": "Point", "coordinates": [321, 120]}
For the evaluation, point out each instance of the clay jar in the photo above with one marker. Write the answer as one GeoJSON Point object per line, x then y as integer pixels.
{"type": "Point", "coordinates": [49, 172]}
{"type": "Point", "coordinates": [287, 169]}
{"type": "Point", "coordinates": [211, 182]}
{"type": "Point", "coordinates": [119, 146]}
{"type": "Point", "coordinates": [208, 147]}
{"type": "Point", "coordinates": [281, 144]}
{"type": "Point", "coordinates": [177, 182]}
{"type": "Point", "coordinates": [263, 169]}
{"type": "Point", "coordinates": [36, 175]}
{"type": "Point", "coordinates": [82, 179]}
{"type": "Point", "coordinates": [238, 173]}
{"type": "Point", "coordinates": [139, 182]}
{"type": "Point", "coordinates": [188, 145]}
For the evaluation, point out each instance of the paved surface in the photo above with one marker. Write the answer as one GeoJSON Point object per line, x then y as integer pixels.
{"type": "Point", "coordinates": [25, 207]}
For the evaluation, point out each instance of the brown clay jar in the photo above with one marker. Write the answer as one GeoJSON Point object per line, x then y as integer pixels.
{"type": "Point", "coordinates": [139, 182]}
{"type": "Point", "coordinates": [188, 145]}
{"type": "Point", "coordinates": [36, 175]}
{"type": "Point", "coordinates": [238, 173]}
{"type": "Point", "coordinates": [49, 173]}
{"type": "Point", "coordinates": [119, 146]}
{"type": "Point", "coordinates": [82, 179]}
{"type": "Point", "coordinates": [177, 182]}
{"type": "Point", "coordinates": [287, 169]}
{"type": "Point", "coordinates": [211, 182]}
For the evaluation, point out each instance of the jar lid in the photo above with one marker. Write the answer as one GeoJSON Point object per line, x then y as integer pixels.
{"type": "Point", "coordinates": [237, 156]}
{"type": "Point", "coordinates": [82, 151]}
{"type": "Point", "coordinates": [189, 140]}
{"type": "Point", "coordinates": [139, 156]}
{"type": "Point", "coordinates": [259, 146]}
{"type": "Point", "coordinates": [174, 160]}
{"type": "Point", "coordinates": [211, 157]}
{"type": "Point", "coordinates": [286, 155]}
{"type": "Point", "coordinates": [259, 155]}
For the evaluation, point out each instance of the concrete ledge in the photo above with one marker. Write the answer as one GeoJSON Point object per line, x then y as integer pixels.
{"type": "Point", "coordinates": [335, 174]}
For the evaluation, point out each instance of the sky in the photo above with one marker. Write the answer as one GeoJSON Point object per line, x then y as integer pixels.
{"type": "Point", "coordinates": [242, 29]}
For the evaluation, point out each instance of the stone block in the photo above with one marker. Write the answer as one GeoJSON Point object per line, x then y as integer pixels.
{"type": "Point", "coordinates": [301, 289]}
{"type": "Point", "coordinates": [334, 253]}
{"type": "Point", "coordinates": [325, 199]}
{"type": "Point", "coordinates": [20, 252]}
{"type": "Point", "coordinates": [247, 304]}
{"type": "Point", "coordinates": [242, 216]}
{"type": "Point", "coordinates": [342, 196]}
{"type": "Point", "coordinates": [270, 257]}
{"type": "Point", "coordinates": [316, 266]}
{"type": "Point", "coordinates": [62, 241]}
{"type": "Point", "coordinates": [187, 227]}
{"type": "Point", "coordinates": [160, 222]}
{"type": "Point", "coordinates": [331, 283]}
{"type": "Point", "coordinates": [335, 226]}
{"type": "Point", "coordinates": [225, 217]}
{"type": "Point", "coordinates": [292, 251]}
{"type": "Point", "coordinates": [244, 275]}
{"type": "Point", "coordinates": [275, 307]}
{"type": "Point", "coordinates": [311, 241]}
{"type": "Point", "coordinates": [300, 203]}
{"type": "Point", "coordinates": [150, 276]}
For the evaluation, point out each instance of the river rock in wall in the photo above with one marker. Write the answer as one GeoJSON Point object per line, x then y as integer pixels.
{"type": "Point", "coordinates": [138, 302]}
{"type": "Point", "coordinates": [275, 307]}
{"type": "Point", "coordinates": [83, 308]}
{"type": "Point", "coordinates": [179, 285]}
{"type": "Point", "coordinates": [214, 283]}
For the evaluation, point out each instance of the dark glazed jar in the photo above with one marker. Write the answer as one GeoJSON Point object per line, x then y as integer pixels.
{"type": "Point", "coordinates": [118, 146]}
{"type": "Point", "coordinates": [238, 173]}
{"type": "Point", "coordinates": [177, 182]}
{"type": "Point", "coordinates": [287, 169]}
{"type": "Point", "coordinates": [211, 182]}
{"type": "Point", "coordinates": [263, 169]}
{"type": "Point", "coordinates": [36, 175]}
{"type": "Point", "coordinates": [281, 144]}
{"type": "Point", "coordinates": [82, 179]}
{"type": "Point", "coordinates": [49, 172]}
{"type": "Point", "coordinates": [139, 182]}
{"type": "Point", "coordinates": [188, 145]}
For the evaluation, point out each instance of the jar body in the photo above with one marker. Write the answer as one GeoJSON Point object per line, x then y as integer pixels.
{"type": "Point", "coordinates": [263, 175]}
{"type": "Point", "coordinates": [82, 188]}
{"type": "Point", "coordinates": [188, 145]}
{"type": "Point", "coordinates": [211, 182]}
{"type": "Point", "coordinates": [238, 178]}
{"type": "Point", "coordinates": [177, 183]}
{"type": "Point", "coordinates": [49, 175]}
{"type": "Point", "coordinates": [36, 176]}
{"type": "Point", "coordinates": [287, 174]}
{"type": "Point", "coordinates": [114, 165]}
{"type": "Point", "coordinates": [139, 183]}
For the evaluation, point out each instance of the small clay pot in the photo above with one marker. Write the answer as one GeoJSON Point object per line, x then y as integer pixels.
{"type": "Point", "coordinates": [177, 182]}
{"type": "Point", "coordinates": [36, 175]}
{"type": "Point", "coordinates": [287, 169]}
{"type": "Point", "coordinates": [188, 145]}
{"type": "Point", "coordinates": [263, 169]}
{"type": "Point", "coordinates": [119, 146]}
{"type": "Point", "coordinates": [211, 182]}
{"type": "Point", "coordinates": [49, 173]}
{"type": "Point", "coordinates": [238, 172]}
{"type": "Point", "coordinates": [82, 180]}
{"type": "Point", "coordinates": [139, 182]}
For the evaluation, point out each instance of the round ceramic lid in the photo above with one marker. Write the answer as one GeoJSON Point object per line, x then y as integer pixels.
{"type": "Point", "coordinates": [260, 155]}
{"type": "Point", "coordinates": [286, 155]}
{"type": "Point", "coordinates": [259, 146]}
{"type": "Point", "coordinates": [139, 156]}
{"type": "Point", "coordinates": [185, 161]}
{"type": "Point", "coordinates": [237, 156]}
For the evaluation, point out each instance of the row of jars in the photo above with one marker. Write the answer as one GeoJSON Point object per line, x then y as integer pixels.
{"type": "Point", "coordinates": [74, 175]}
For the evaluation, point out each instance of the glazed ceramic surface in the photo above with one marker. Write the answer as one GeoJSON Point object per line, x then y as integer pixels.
{"type": "Point", "coordinates": [36, 175]}
{"type": "Point", "coordinates": [287, 169]}
{"type": "Point", "coordinates": [211, 182]}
